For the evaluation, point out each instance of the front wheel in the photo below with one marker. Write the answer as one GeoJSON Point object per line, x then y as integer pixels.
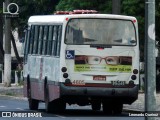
{"type": "Point", "coordinates": [117, 108]}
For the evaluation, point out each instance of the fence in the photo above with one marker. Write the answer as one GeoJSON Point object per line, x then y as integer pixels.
{"type": "Point", "coordinates": [16, 77]}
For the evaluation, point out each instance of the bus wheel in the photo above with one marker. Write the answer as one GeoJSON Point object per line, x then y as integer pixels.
{"type": "Point", "coordinates": [48, 105]}
{"type": "Point", "coordinates": [96, 105]}
{"type": "Point", "coordinates": [117, 108]}
{"type": "Point", "coordinates": [33, 104]}
{"type": "Point", "coordinates": [58, 105]}
{"type": "Point", "coordinates": [107, 107]}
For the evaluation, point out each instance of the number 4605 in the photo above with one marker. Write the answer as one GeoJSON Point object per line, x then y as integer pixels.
{"type": "Point", "coordinates": [78, 82]}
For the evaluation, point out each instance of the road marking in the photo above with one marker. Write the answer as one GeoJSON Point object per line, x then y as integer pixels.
{"type": "Point", "coordinates": [60, 116]}
{"type": "Point", "coordinates": [19, 109]}
{"type": "Point", "coordinates": [2, 106]}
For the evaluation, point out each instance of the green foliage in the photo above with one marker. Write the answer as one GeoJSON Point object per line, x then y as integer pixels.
{"type": "Point", "coordinates": [10, 94]}
{"type": "Point", "coordinates": [28, 8]}
{"type": "Point", "coordinates": [128, 7]}
{"type": "Point", "coordinates": [99, 5]}
{"type": "Point", "coordinates": [157, 20]}
{"type": "Point", "coordinates": [136, 8]}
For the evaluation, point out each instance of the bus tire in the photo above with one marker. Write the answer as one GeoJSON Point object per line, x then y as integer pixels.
{"type": "Point", "coordinates": [117, 108]}
{"type": "Point", "coordinates": [48, 105]}
{"type": "Point", "coordinates": [33, 103]}
{"type": "Point", "coordinates": [107, 107]}
{"type": "Point", "coordinates": [96, 105]}
{"type": "Point", "coordinates": [58, 105]}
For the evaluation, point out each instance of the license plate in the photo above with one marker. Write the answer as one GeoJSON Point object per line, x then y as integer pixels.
{"type": "Point", "coordinates": [99, 77]}
{"type": "Point", "coordinates": [118, 83]}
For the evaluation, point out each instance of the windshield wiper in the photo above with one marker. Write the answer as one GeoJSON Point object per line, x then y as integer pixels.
{"type": "Point", "coordinates": [89, 40]}
{"type": "Point", "coordinates": [101, 46]}
{"type": "Point", "coordinates": [119, 40]}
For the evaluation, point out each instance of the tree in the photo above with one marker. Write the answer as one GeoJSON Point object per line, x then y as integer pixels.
{"type": "Point", "coordinates": [129, 7]}
{"type": "Point", "coordinates": [40, 7]}
{"type": "Point", "coordinates": [1, 35]}
{"type": "Point", "coordinates": [28, 8]}
{"type": "Point", "coordinates": [99, 5]}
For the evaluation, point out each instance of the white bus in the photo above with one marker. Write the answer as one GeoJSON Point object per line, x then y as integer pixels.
{"type": "Point", "coordinates": [84, 59]}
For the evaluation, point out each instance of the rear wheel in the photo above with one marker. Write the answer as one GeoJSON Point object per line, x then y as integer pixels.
{"type": "Point", "coordinates": [58, 105]}
{"type": "Point", "coordinates": [96, 105]}
{"type": "Point", "coordinates": [112, 107]}
{"type": "Point", "coordinates": [117, 108]}
{"type": "Point", "coordinates": [48, 105]}
{"type": "Point", "coordinates": [33, 103]}
{"type": "Point", "coordinates": [107, 107]}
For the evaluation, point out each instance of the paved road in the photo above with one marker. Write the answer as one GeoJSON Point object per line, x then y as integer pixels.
{"type": "Point", "coordinates": [72, 113]}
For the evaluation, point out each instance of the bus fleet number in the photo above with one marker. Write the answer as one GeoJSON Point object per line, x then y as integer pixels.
{"type": "Point", "coordinates": [118, 83]}
{"type": "Point", "coordinates": [78, 82]}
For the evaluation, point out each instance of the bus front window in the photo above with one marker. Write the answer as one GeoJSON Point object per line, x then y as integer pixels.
{"type": "Point", "coordinates": [100, 31]}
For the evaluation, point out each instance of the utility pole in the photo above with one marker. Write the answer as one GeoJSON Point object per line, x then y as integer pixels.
{"type": "Point", "coordinates": [7, 45]}
{"type": "Point", "coordinates": [1, 39]}
{"type": "Point", "coordinates": [1, 42]}
{"type": "Point", "coordinates": [116, 7]}
{"type": "Point", "coordinates": [150, 59]}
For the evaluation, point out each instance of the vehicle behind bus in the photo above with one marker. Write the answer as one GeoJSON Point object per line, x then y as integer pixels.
{"type": "Point", "coordinates": [84, 59]}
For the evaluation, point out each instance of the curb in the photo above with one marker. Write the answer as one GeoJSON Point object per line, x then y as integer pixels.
{"type": "Point", "coordinates": [16, 91]}
{"type": "Point", "coordinates": [14, 97]}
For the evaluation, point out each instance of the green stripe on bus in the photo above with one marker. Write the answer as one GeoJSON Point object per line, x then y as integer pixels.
{"type": "Point", "coordinates": [103, 68]}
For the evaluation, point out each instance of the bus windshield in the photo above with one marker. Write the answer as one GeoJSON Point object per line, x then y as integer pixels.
{"type": "Point", "coordinates": [100, 31]}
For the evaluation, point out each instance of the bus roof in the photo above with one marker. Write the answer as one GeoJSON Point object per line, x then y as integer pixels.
{"type": "Point", "coordinates": [61, 18]}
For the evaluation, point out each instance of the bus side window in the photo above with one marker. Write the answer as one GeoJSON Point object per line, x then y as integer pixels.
{"type": "Point", "coordinates": [40, 40]}
{"type": "Point", "coordinates": [49, 44]}
{"type": "Point", "coordinates": [54, 40]}
{"type": "Point", "coordinates": [35, 46]}
{"type": "Point", "coordinates": [45, 40]}
{"type": "Point", "coordinates": [59, 31]}
{"type": "Point", "coordinates": [31, 39]}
